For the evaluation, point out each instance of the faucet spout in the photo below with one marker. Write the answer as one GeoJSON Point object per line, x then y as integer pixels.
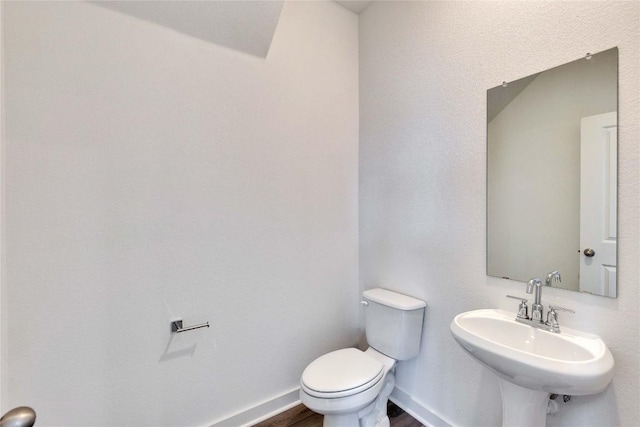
{"type": "Point", "coordinates": [537, 283]}
{"type": "Point", "coordinates": [554, 276]}
{"type": "Point", "coordinates": [536, 307]}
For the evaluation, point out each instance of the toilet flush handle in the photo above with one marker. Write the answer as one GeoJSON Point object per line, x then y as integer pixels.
{"type": "Point", "coordinates": [364, 302]}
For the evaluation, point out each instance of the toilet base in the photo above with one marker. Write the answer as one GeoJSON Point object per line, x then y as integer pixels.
{"type": "Point", "coordinates": [341, 420]}
{"type": "Point", "coordinates": [352, 420]}
{"type": "Point", "coordinates": [374, 415]}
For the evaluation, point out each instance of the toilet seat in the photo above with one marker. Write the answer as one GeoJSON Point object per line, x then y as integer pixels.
{"type": "Point", "coordinates": [341, 373]}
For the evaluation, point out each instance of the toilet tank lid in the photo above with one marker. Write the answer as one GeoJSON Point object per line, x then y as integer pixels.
{"type": "Point", "coordinates": [393, 299]}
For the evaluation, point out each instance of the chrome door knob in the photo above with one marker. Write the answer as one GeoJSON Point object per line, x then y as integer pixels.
{"type": "Point", "coordinates": [19, 417]}
{"type": "Point", "coordinates": [589, 252]}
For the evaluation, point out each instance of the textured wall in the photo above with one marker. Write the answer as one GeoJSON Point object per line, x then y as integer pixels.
{"type": "Point", "coordinates": [424, 71]}
{"type": "Point", "coordinates": [150, 175]}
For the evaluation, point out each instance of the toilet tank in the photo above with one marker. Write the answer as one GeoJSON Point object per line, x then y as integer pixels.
{"type": "Point", "coordinates": [393, 323]}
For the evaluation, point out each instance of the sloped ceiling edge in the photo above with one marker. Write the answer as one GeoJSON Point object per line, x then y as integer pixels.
{"type": "Point", "coordinates": [246, 26]}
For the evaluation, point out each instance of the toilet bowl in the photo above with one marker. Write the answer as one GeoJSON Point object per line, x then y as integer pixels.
{"type": "Point", "coordinates": [351, 387]}
{"type": "Point", "coordinates": [342, 383]}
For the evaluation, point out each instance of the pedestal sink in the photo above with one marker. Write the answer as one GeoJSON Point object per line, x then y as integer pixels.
{"type": "Point", "coordinates": [532, 363]}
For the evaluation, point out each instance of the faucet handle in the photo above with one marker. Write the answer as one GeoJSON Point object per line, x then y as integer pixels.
{"type": "Point", "coordinates": [552, 317]}
{"type": "Point", "coordinates": [558, 308]}
{"type": "Point", "coordinates": [523, 310]}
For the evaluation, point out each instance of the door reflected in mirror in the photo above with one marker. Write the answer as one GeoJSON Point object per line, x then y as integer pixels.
{"type": "Point", "coordinates": [552, 175]}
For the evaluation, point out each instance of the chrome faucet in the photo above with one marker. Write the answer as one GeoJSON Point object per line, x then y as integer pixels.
{"type": "Point", "coordinates": [536, 307]}
{"type": "Point", "coordinates": [551, 325]}
{"type": "Point", "coordinates": [554, 276]}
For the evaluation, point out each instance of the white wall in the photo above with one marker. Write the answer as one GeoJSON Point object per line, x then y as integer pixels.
{"type": "Point", "coordinates": [533, 159]}
{"type": "Point", "coordinates": [424, 71]}
{"type": "Point", "coordinates": [150, 175]}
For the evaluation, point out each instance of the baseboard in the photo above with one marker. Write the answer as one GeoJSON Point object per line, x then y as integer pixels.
{"type": "Point", "coordinates": [279, 404]}
{"type": "Point", "coordinates": [262, 411]}
{"type": "Point", "coordinates": [416, 410]}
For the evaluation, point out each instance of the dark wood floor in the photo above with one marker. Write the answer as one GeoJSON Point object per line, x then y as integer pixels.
{"type": "Point", "coordinates": [300, 416]}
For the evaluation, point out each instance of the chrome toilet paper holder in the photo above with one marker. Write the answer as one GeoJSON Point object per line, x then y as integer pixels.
{"type": "Point", "coordinates": [177, 326]}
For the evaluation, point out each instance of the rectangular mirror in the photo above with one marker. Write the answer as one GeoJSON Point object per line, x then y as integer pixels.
{"type": "Point", "coordinates": [552, 175]}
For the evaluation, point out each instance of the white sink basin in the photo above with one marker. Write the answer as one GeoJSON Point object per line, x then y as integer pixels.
{"type": "Point", "coordinates": [523, 357]}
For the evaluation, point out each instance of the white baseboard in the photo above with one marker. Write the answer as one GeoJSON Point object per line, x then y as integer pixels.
{"type": "Point", "coordinates": [262, 411]}
{"type": "Point", "coordinates": [416, 410]}
{"type": "Point", "coordinates": [279, 404]}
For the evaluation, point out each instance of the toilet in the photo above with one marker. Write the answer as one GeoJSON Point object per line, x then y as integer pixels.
{"type": "Point", "coordinates": [351, 387]}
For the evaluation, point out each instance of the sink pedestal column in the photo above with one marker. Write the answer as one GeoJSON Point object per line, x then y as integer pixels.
{"type": "Point", "coordinates": [523, 407]}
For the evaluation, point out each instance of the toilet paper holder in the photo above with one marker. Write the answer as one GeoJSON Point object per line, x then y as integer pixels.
{"type": "Point", "coordinates": [177, 327]}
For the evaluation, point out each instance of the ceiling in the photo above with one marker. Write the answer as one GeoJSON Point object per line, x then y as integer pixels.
{"type": "Point", "coordinates": [246, 26]}
{"type": "Point", "coordinates": [356, 6]}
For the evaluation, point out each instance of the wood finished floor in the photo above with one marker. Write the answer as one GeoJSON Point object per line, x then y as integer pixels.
{"type": "Point", "coordinates": [300, 416]}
